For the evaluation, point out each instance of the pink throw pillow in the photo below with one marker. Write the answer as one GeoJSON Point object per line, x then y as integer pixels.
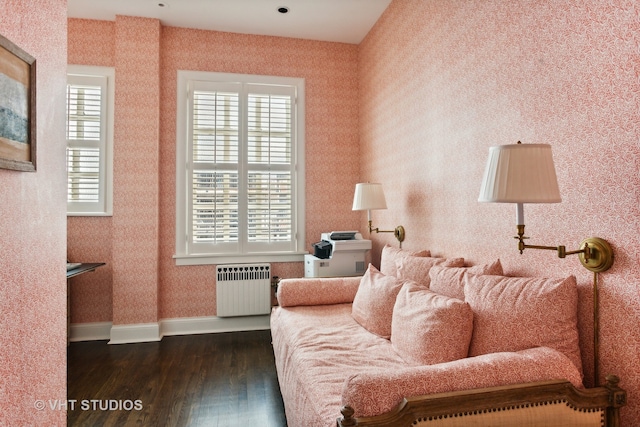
{"type": "Point", "coordinates": [373, 304]}
{"type": "Point", "coordinates": [517, 313]}
{"type": "Point", "coordinates": [449, 281]}
{"type": "Point", "coordinates": [428, 328]}
{"type": "Point", "coordinates": [417, 268]}
{"type": "Point", "coordinates": [390, 255]}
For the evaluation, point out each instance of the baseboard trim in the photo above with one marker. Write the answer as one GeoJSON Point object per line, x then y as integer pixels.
{"type": "Point", "coordinates": [150, 332]}
{"type": "Point", "coordinates": [141, 332]}
{"type": "Point", "coordinates": [212, 324]}
{"type": "Point", "coordinates": [96, 331]}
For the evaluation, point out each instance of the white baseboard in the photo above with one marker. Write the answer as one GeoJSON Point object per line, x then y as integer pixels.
{"type": "Point", "coordinates": [149, 332]}
{"type": "Point", "coordinates": [141, 332]}
{"type": "Point", "coordinates": [96, 331]}
{"type": "Point", "coordinates": [212, 324]}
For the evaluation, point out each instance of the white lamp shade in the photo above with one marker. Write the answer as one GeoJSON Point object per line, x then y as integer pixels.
{"type": "Point", "coordinates": [520, 173]}
{"type": "Point", "coordinates": [369, 196]}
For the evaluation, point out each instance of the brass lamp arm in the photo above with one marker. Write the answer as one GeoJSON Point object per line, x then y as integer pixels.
{"type": "Point", "coordinates": [562, 250]}
{"type": "Point", "coordinates": [398, 232]}
{"type": "Point", "coordinates": [595, 254]}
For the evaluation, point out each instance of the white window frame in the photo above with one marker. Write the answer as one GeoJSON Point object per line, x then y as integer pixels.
{"type": "Point", "coordinates": [184, 254]}
{"type": "Point", "coordinates": [104, 206]}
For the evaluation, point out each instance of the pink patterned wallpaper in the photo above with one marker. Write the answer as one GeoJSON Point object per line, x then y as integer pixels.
{"type": "Point", "coordinates": [122, 294]}
{"type": "Point", "coordinates": [136, 171]}
{"type": "Point", "coordinates": [440, 82]}
{"type": "Point", "coordinates": [33, 231]}
{"type": "Point", "coordinates": [89, 239]}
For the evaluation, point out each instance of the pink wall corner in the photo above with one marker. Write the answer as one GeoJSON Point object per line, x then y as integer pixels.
{"type": "Point", "coordinates": [457, 77]}
{"type": "Point", "coordinates": [33, 230]}
{"type": "Point", "coordinates": [136, 170]}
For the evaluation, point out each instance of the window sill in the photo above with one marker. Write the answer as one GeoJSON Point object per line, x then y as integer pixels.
{"type": "Point", "coordinates": [204, 259]}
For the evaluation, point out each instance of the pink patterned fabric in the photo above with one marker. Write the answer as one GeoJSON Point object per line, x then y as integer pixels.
{"type": "Point", "coordinates": [390, 254]}
{"type": "Point", "coordinates": [316, 291]}
{"type": "Point", "coordinates": [325, 359]}
{"type": "Point", "coordinates": [417, 268]}
{"type": "Point", "coordinates": [516, 313]}
{"type": "Point", "coordinates": [373, 303]}
{"type": "Point", "coordinates": [373, 392]}
{"type": "Point", "coordinates": [316, 348]}
{"type": "Point", "coordinates": [449, 281]}
{"type": "Point", "coordinates": [428, 328]}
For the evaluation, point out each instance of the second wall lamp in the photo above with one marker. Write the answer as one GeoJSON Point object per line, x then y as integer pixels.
{"type": "Point", "coordinates": [369, 196]}
{"type": "Point", "coordinates": [525, 173]}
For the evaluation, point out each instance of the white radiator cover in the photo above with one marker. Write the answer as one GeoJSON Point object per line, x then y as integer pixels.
{"type": "Point", "coordinates": [243, 289]}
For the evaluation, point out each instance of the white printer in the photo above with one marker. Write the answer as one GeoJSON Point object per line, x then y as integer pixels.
{"type": "Point", "coordinates": [339, 253]}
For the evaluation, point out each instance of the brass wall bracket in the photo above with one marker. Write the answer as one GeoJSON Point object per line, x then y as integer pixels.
{"type": "Point", "coordinates": [600, 254]}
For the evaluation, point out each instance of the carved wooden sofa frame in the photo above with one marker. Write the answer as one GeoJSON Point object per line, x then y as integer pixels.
{"type": "Point", "coordinates": [546, 403]}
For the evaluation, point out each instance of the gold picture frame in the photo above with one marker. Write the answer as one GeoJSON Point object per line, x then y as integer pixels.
{"type": "Point", "coordinates": [17, 108]}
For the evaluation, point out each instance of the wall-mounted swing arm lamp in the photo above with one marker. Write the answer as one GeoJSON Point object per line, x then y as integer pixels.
{"type": "Point", "coordinates": [525, 173]}
{"type": "Point", "coordinates": [370, 196]}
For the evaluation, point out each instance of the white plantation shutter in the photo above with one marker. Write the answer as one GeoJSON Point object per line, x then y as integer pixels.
{"type": "Point", "coordinates": [270, 207]}
{"type": "Point", "coordinates": [87, 134]}
{"type": "Point", "coordinates": [241, 168]}
{"type": "Point", "coordinates": [269, 180]}
{"type": "Point", "coordinates": [83, 175]}
{"type": "Point", "coordinates": [269, 133]}
{"type": "Point", "coordinates": [215, 145]}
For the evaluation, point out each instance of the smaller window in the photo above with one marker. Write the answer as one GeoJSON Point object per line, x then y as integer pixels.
{"type": "Point", "coordinates": [89, 132]}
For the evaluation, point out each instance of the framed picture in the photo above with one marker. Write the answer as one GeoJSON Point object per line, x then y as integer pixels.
{"type": "Point", "coordinates": [17, 108]}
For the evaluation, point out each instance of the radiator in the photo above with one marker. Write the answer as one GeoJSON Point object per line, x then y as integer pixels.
{"type": "Point", "coordinates": [243, 289]}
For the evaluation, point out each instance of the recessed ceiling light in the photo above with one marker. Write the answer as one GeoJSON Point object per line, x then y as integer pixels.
{"type": "Point", "coordinates": [283, 9]}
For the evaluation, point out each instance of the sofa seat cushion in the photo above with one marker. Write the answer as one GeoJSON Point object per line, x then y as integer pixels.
{"type": "Point", "coordinates": [325, 359]}
{"type": "Point", "coordinates": [317, 348]}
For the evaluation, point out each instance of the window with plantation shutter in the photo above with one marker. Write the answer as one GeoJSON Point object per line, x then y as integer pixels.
{"type": "Point", "coordinates": [88, 131]}
{"type": "Point", "coordinates": [240, 190]}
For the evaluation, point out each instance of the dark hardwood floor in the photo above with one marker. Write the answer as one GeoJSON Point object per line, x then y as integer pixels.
{"type": "Point", "coordinates": [226, 380]}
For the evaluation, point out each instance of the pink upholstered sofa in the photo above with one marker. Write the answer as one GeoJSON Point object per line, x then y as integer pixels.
{"type": "Point", "coordinates": [419, 325]}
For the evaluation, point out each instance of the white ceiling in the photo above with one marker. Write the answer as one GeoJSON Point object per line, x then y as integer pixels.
{"type": "Point", "coordinates": [346, 21]}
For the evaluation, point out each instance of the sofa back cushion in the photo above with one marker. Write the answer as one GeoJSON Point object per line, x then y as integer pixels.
{"type": "Point", "coordinates": [449, 281]}
{"type": "Point", "coordinates": [417, 268]}
{"type": "Point", "coordinates": [428, 328]}
{"type": "Point", "coordinates": [390, 255]}
{"type": "Point", "coordinates": [516, 313]}
{"type": "Point", "coordinates": [373, 304]}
